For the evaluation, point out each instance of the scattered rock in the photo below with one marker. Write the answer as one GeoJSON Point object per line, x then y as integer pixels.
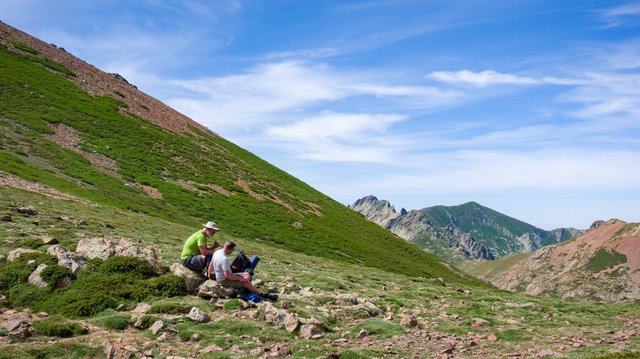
{"type": "Point", "coordinates": [409, 321]}
{"type": "Point", "coordinates": [285, 304]}
{"type": "Point", "coordinates": [163, 337]}
{"type": "Point", "coordinates": [492, 338]}
{"type": "Point", "coordinates": [280, 350]}
{"type": "Point", "coordinates": [7, 218]}
{"type": "Point", "coordinates": [57, 250]}
{"type": "Point", "coordinates": [479, 323]}
{"type": "Point", "coordinates": [195, 337]}
{"type": "Point", "coordinates": [16, 253]}
{"type": "Point", "coordinates": [198, 316]}
{"type": "Point", "coordinates": [212, 349]}
{"type": "Point", "coordinates": [191, 279]}
{"type": "Point", "coordinates": [82, 222]}
{"type": "Point", "coordinates": [362, 334]}
{"type": "Point", "coordinates": [73, 261]}
{"type": "Point", "coordinates": [36, 279]}
{"type": "Point", "coordinates": [212, 289]}
{"type": "Point", "coordinates": [310, 331]}
{"type": "Point", "coordinates": [49, 240]}
{"type": "Point", "coordinates": [156, 327]}
{"type": "Point", "coordinates": [29, 211]}
{"type": "Point", "coordinates": [42, 315]}
{"type": "Point", "coordinates": [546, 353]}
{"type": "Point", "coordinates": [142, 308]}
{"type": "Point", "coordinates": [95, 248]}
{"type": "Point", "coordinates": [108, 349]}
{"type": "Point", "coordinates": [291, 322]}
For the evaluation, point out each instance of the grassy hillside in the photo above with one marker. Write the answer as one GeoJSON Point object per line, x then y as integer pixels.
{"type": "Point", "coordinates": [465, 321]}
{"type": "Point", "coordinates": [119, 159]}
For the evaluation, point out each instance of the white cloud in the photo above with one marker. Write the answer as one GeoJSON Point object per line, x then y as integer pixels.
{"type": "Point", "coordinates": [492, 78]}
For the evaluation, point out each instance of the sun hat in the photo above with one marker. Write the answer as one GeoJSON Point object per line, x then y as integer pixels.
{"type": "Point", "coordinates": [212, 225]}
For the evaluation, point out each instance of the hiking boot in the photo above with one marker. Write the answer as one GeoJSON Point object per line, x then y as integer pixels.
{"type": "Point", "coordinates": [270, 296]}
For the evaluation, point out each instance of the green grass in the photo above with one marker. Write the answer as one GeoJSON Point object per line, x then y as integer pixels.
{"type": "Point", "coordinates": [58, 326]}
{"type": "Point", "coordinates": [379, 328]}
{"type": "Point", "coordinates": [603, 259]}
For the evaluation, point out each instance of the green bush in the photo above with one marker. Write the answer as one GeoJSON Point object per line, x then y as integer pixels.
{"type": "Point", "coordinates": [118, 321]}
{"type": "Point", "coordinates": [603, 259]}
{"type": "Point", "coordinates": [129, 265]}
{"type": "Point", "coordinates": [54, 273]}
{"type": "Point", "coordinates": [169, 308]}
{"type": "Point", "coordinates": [26, 295]}
{"type": "Point", "coordinates": [23, 47]}
{"type": "Point", "coordinates": [166, 285]}
{"type": "Point", "coordinates": [58, 326]}
{"type": "Point", "coordinates": [13, 273]}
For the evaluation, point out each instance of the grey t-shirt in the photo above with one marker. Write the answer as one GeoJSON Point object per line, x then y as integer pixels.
{"type": "Point", "coordinates": [220, 263]}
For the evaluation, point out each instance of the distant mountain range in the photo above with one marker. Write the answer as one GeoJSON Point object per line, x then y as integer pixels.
{"type": "Point", "coordinates": [457, 233]}
{"type": "Point", "coordinates": [603, 264]}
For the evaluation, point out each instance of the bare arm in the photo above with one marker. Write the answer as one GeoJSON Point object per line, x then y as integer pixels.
{"type": "Point", "coordinates": [232, 276]}
{"type": "Point", "coordinates": [205, 251]}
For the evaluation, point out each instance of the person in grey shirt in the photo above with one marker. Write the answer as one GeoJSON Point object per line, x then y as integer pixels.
{"type": "Point", "coordinates": [226, 278]}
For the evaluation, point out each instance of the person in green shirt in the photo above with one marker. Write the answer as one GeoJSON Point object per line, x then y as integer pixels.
{"type": "Point", "coordinates": [195, 253]}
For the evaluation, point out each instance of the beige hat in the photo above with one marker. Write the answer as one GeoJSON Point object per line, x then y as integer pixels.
{"type": "Point", "coordinates": [212, 225]}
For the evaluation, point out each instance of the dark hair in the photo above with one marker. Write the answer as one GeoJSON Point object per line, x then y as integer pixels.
{"type": "Point", "coordinates": [230, 245]}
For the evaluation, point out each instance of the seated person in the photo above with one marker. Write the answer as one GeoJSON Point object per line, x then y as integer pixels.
{"type": "Point", "coordinates": [195, 253]}
{"type": "Point", "coordinates": [226, 278]}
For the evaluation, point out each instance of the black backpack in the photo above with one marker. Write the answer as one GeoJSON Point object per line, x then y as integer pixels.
{"type": "Point", "coordinates": [241, 264]}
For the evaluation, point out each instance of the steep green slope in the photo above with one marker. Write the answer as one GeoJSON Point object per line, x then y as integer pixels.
{"type": "Point", "coordinates": [196, 176]}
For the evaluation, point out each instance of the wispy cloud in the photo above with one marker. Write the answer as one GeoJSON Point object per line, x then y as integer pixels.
{"type": "Point", "coordinates": [621, 15]}
{"type": "Point", "coordinates": [491, 78]}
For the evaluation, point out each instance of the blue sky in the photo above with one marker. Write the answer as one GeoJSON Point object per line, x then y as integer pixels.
{"type": "Point", "coordinates": [531, 108]}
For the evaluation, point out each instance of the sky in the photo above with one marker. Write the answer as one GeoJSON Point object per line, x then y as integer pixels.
{"type": "Point", "coordinates": [528, 107]}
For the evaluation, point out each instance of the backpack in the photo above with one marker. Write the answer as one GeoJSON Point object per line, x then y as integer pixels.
{"type": "Point", "coordinates": [241, 264]}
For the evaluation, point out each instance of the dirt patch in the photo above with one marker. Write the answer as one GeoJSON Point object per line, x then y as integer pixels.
{"type": "Point", "coordinates": [9, 180]}
{"type": "Point", "coordinates": [245, 187]}
{"type": "Point", "coordinates": [315, 208]}
{"type": "Point", "coordinates": [67, 137]}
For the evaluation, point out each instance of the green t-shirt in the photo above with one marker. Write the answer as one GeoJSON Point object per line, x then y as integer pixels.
{"type": "Point", "coordinates": [191, 245]}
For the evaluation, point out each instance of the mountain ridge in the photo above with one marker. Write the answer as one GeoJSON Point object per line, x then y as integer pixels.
{"type": "Point", "coordinates": [474, 231]}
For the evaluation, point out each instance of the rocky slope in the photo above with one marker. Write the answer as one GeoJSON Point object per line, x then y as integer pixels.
{"type": "Point", "coordinates": [602, 265]}
{"type": "Point", "coordinates": [470, 230]}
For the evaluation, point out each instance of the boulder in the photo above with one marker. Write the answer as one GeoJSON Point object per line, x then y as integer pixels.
{"type": "Point", "coordinates": [211, 289]}
{"type": "Point", "coordinates": [310, 331]}
{"type": "Point", "coordinates": [156, 327]}
{"type": "Point", "coordinates": [73, 261]}
{"type": "Point", "coordinates": [409, 321]}
{"type": "Point", "coordinates": [291, 322]}
{"type": "Point", "coordinates": [126, 248]}
{"type": "Point", "coordinates": [57, 250]}
{"type": "Point", "coordinates": [36, 279]}
{"type": "Point", "coordinates": [95, 248]}
{"type": "Point", "coordinates": [29, 211]}
{"type": "Point", "coordinates": [142, 308]}
{"type": "Point", "coordinates": [49, 240]}
{"type": "Point", "coordinates": [16, 253]}
{"type": "Point", "coordinates": [273, 315]}
{"type": "Point", "coordinates": [192, 280]}
{"type": "Point", "coordinates": [198, 316]}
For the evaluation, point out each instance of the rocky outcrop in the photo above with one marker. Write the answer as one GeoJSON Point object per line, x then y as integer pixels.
{"type": "Point", "coordinates": [104, 248]}
{"type": "Point", "coordinates": [471, 230]}
{"type": "Point", "coordinates": [600, 265]}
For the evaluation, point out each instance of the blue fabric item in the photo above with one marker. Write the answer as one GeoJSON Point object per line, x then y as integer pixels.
{"type": "Point", "coordinates": [252, 297]}
{"type": "Point", "coordinates": [254, 261]}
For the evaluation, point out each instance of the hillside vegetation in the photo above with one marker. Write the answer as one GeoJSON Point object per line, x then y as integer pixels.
{"type": "Point", "coordinates": [95, 147]}
{"type": "Point", "coordinates": [362, 312]}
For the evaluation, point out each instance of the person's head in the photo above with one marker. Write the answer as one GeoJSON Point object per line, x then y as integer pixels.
{"type": "Point", "coordinates": [210, 228]}
{"type": "Point", "coordinates": [229, 246]}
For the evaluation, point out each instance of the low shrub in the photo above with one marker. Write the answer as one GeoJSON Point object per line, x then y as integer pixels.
{"type": "Point", "coordinates": [13, 273]}
{"type": "Point", "coordinates": [118, 321]}
{"type": "Point", "coordinates": [58, 326]}
{"type": "Point", "coordinates": [129, 265]}
{"type": "Point", "coordinates": [26, 295]}
{"type": "Point", "coordinates": [169, 308]}
{"type": "Point", "coordinates": [54, 273]}
{"type": "Point", "coordinates": [166, 286]}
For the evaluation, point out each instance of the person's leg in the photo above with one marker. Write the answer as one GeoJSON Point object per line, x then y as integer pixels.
{"type": "Point", "coordinates": [194, 263]}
